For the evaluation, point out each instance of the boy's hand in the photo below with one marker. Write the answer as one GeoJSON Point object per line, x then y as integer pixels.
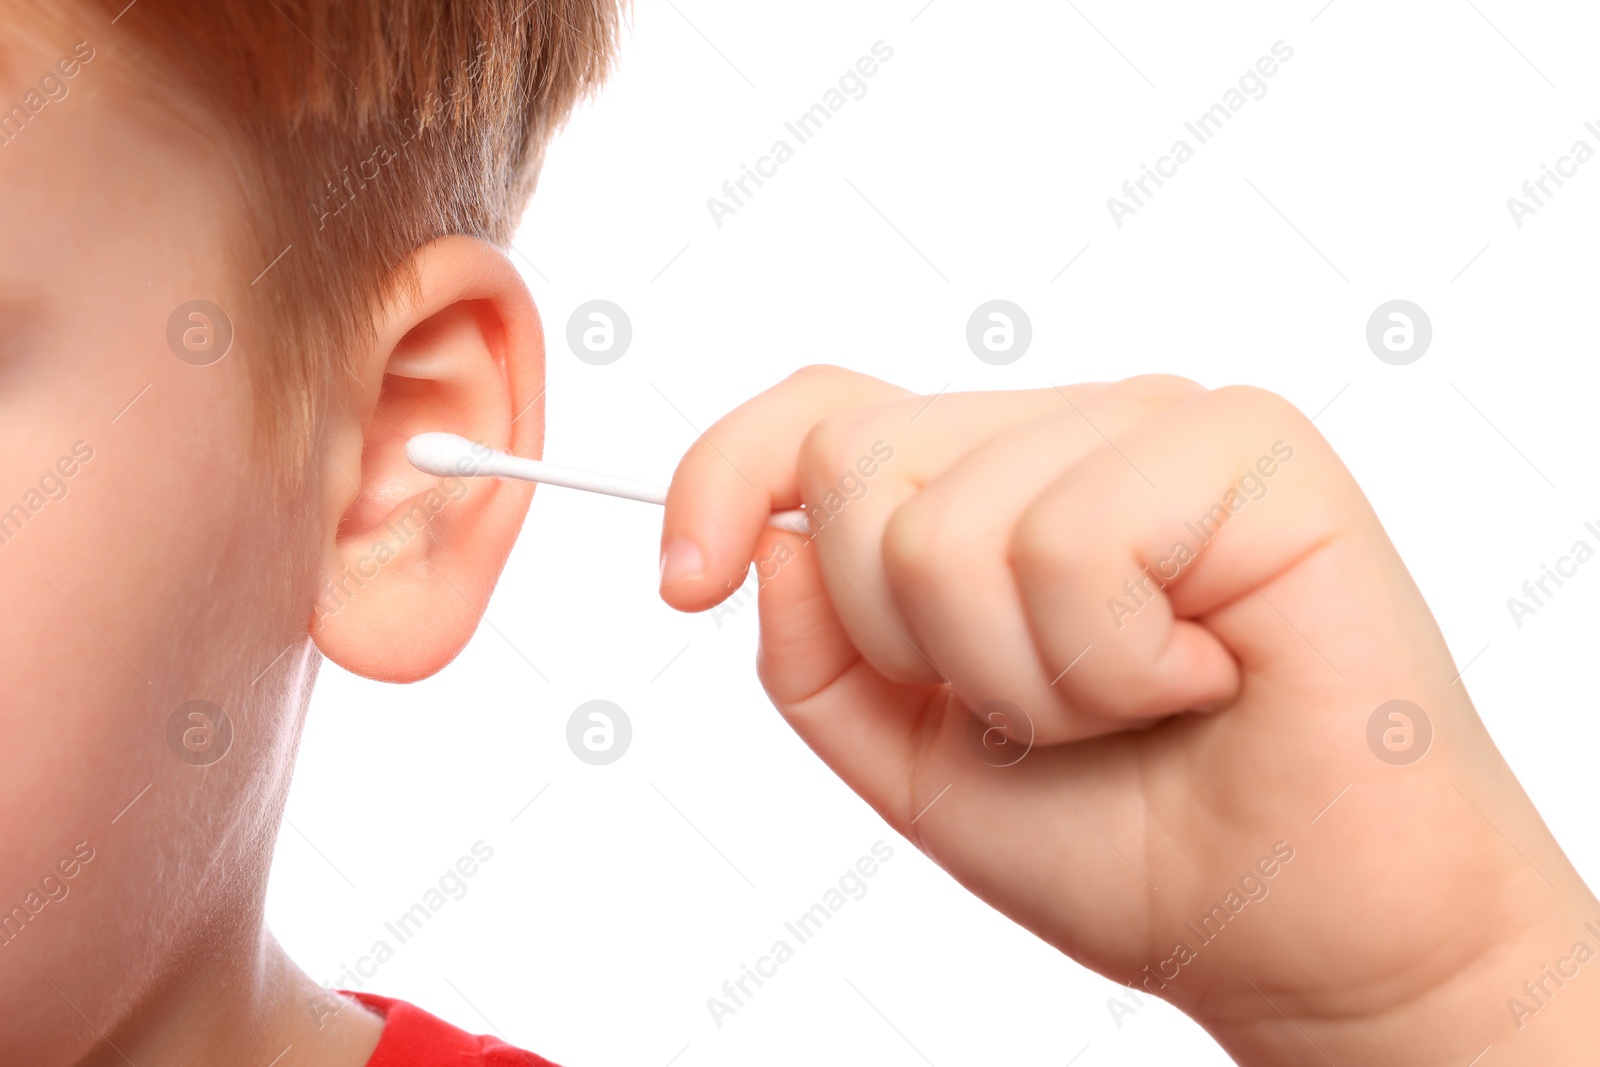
{"type": "Point", "coordinates": [1113, 655]}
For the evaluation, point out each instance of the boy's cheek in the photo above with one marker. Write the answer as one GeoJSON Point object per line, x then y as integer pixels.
{"type": "Point", "coordinates": [136, 540]}
{"type": "Point", "coordinates": [148, 563]}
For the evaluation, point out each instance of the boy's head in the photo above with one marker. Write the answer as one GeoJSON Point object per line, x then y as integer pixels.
{"type": "Point", "coordinates": [249, 249]}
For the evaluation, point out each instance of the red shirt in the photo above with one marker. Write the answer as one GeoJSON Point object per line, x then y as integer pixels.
{"type": "Point", "coordinates": [413, 1038]}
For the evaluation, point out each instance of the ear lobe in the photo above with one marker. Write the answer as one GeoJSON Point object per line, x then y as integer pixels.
{"type": "Point", "coordinates": [409, 559]}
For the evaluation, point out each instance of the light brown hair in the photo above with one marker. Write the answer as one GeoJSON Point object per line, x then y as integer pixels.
{"type": "Point", "coordinates": [369, 128]}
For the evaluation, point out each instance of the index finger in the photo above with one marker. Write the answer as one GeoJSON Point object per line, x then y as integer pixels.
{"type": "Point", "coordinates": [742, 469]}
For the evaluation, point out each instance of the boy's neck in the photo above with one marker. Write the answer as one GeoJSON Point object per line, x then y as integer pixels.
{"type": "Point", "coordinates": [242, 1003]}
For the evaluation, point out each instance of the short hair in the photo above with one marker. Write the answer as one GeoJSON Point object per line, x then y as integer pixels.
{"type": "Point", "coordinates": [368, 128]}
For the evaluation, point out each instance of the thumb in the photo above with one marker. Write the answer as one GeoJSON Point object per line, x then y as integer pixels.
{"type": "Point", "coordinates": [866, 728]}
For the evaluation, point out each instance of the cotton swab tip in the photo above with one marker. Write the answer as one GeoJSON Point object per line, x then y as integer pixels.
{"type": "Point", "coordinates": [444, 454]}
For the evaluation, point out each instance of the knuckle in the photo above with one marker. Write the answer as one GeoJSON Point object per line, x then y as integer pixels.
{"type": "Point", "coordinates": [822, 373]}
{"type": "Point", "coordinates": [830, 445]}
{"type": "Point", "coordinates": [1173, 385]}
{"type": "Point", "coordinates": [1155, 393]}
{"type": "Point", "coordinates": [1269, 414]}
{"type": "Point", "coordinates": [1257, 404]}
{"type": "Point", "coordinates": [1038, 544]}
{"type": "Point", "coordinates": [917, 540]}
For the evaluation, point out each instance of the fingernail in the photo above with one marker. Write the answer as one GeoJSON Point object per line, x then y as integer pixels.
{"type": "Point", "coordinates": [681, 561]}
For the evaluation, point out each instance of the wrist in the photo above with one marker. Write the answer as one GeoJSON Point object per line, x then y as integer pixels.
{"type": "Point", "coordinates": [1530, 996]}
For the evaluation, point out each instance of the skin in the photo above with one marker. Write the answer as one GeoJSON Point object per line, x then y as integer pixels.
{"type": "Point", "coordinates": [1214, 740]}
{"type": "Point", "coordinates": [141, 588]}
{"type": "Point", "coordinates": [1414, 904]}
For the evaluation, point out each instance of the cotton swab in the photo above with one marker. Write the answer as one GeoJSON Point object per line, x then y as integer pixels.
{"type": "Point", "coordinates": [451, 455]}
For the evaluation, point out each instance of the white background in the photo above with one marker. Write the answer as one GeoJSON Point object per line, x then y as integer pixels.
{"type": "Point", "coordinates": [977, 166]}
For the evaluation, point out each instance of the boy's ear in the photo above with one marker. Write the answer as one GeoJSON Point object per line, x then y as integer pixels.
{"type": "Point", "coordinates": [409, 559]}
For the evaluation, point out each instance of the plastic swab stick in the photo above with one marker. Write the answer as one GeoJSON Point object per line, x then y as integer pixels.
{"type": "Point", "coordinates": [451, 455]}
